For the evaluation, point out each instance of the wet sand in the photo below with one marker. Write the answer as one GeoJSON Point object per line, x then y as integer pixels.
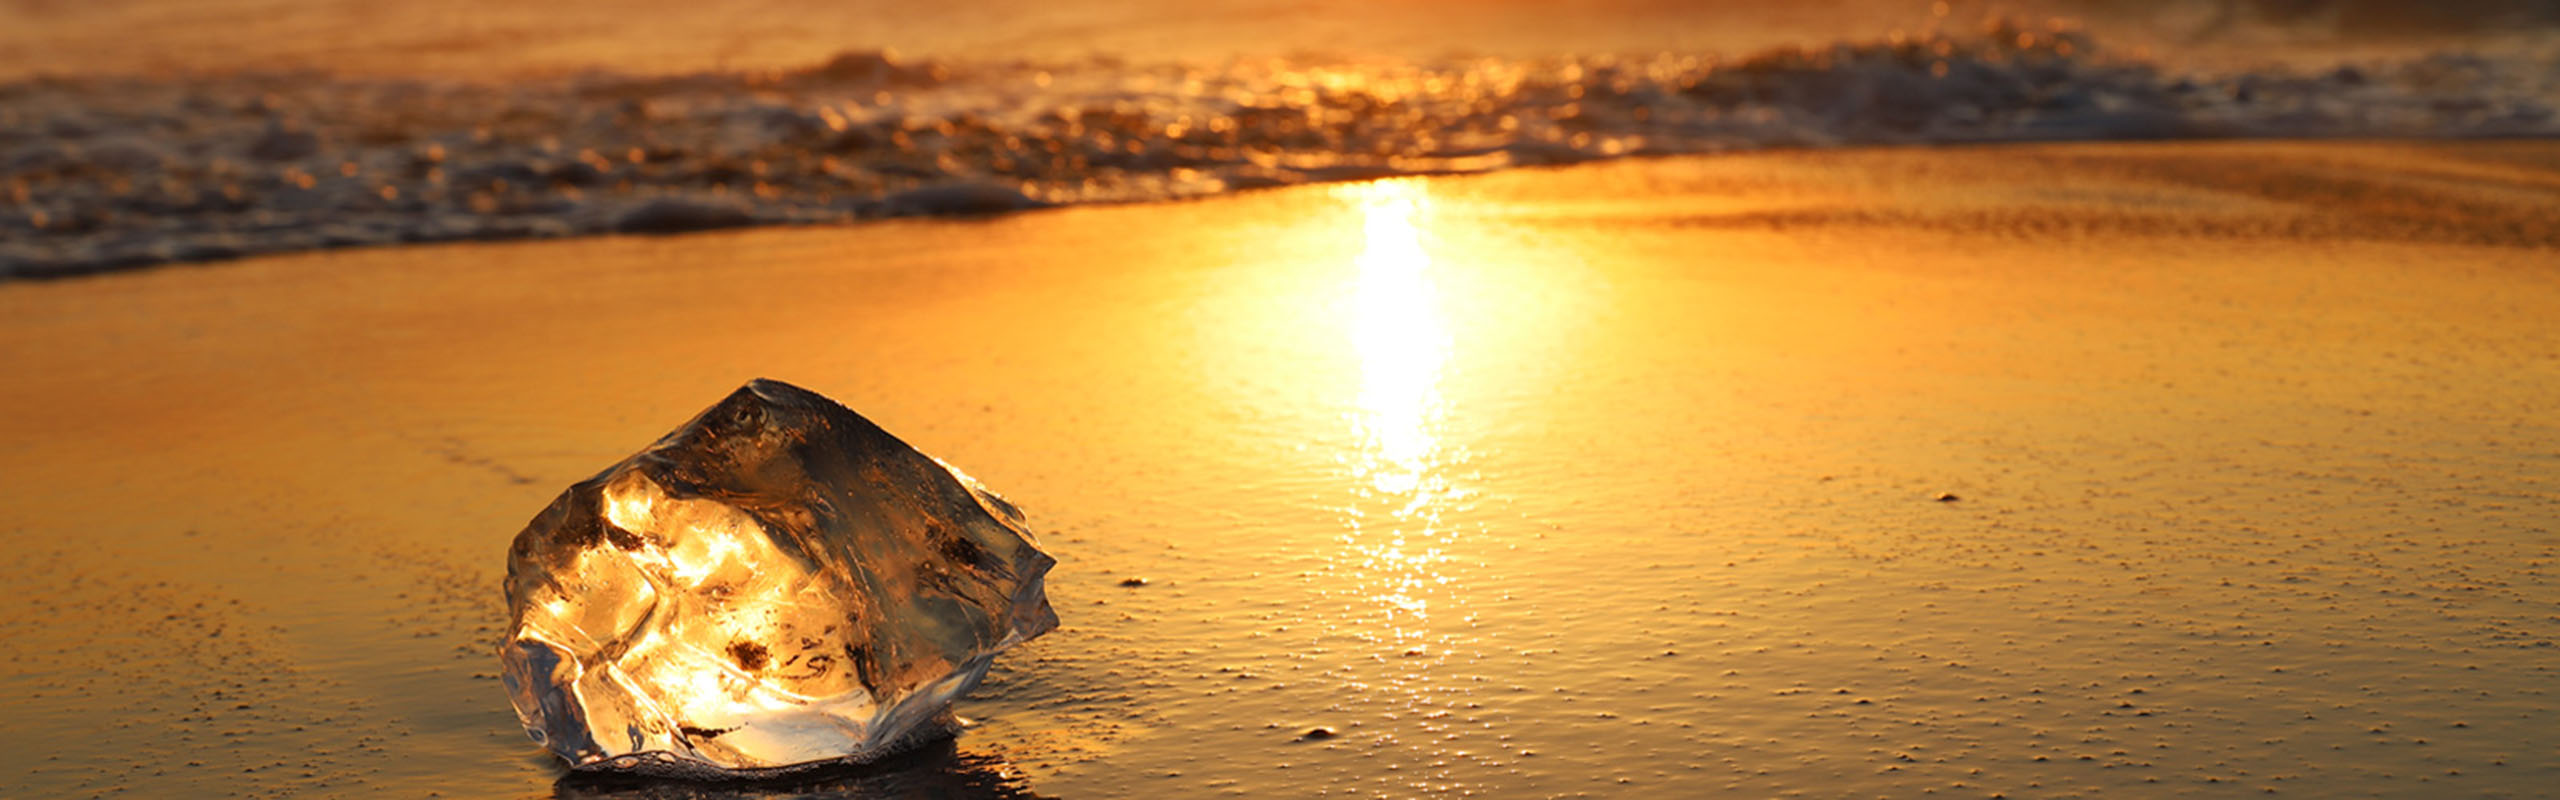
{"type": "Point", "coordinates": [2124, 470]}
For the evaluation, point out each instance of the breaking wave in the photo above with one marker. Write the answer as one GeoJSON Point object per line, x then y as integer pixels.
{"type": "Point", "coordinates": [108, 172]}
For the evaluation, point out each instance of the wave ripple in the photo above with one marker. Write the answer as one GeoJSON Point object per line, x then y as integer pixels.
{"type": "Point", "coordinates": [102, 173]}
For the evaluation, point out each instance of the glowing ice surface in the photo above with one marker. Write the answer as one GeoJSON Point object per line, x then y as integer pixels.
{"type": "Point", "coordinates": [777, 584]}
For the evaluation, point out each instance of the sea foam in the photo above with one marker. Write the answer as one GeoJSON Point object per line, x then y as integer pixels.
{"type": "Point", "coordinates": [99, 173]}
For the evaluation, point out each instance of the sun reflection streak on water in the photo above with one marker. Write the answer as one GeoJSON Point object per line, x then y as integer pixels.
{"type": "Point", "coordinates": [1401, 339]}
{"type": "Point", "coordinates": [1396, 327]}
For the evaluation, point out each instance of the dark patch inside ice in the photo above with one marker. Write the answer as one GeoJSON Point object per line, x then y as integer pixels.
{"type": "Point", "coordinates": [749, 655]}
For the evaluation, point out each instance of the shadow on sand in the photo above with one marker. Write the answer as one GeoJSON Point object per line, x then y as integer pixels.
{"type": "Point", "coordinates": [935, 771]}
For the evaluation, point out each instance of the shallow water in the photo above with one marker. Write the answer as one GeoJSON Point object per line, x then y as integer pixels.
{"type": "Point", "coordinates": [2046, 471]}
{"type": "Point", "coordinates": [110, 164]}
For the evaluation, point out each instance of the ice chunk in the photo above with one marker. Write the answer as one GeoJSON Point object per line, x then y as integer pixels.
{"type": "Point", "coordinates": [779, 584]}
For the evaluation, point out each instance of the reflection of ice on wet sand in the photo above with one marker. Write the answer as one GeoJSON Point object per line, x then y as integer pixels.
{"type": "Point", "coordinates": [937, 771]}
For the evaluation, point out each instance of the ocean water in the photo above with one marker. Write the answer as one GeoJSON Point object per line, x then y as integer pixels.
{"type": "Point", "coordinates": [130, 138]}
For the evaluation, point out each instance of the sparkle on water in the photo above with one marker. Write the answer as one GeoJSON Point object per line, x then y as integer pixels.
{"type": "Point", "coordinates": [1395, 325]}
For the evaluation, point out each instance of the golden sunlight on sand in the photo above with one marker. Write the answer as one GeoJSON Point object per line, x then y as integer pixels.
{"type": "Point", "coordinates": [1617, 480]}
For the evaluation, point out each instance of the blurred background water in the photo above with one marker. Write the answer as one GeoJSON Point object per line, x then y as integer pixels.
{"type": "Point", "coordinates": [135, 133]}
{"type": "Point", "coordinates": [490, 38]}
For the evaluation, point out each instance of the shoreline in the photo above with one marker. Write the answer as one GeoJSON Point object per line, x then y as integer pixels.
{"type": "Point", "coordinates": [113, 174]}
{"type": "Point", "coordinates": [972, 201]}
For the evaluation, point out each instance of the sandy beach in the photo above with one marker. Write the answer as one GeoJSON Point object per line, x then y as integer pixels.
{"type": "Point", "coordinates": [2127, 470]}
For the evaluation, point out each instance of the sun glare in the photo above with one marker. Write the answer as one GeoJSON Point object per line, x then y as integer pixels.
{"type": "Point", "coordinates": [1401, 339]}
{"type": "Point", "coordinates": [1394, 322]}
